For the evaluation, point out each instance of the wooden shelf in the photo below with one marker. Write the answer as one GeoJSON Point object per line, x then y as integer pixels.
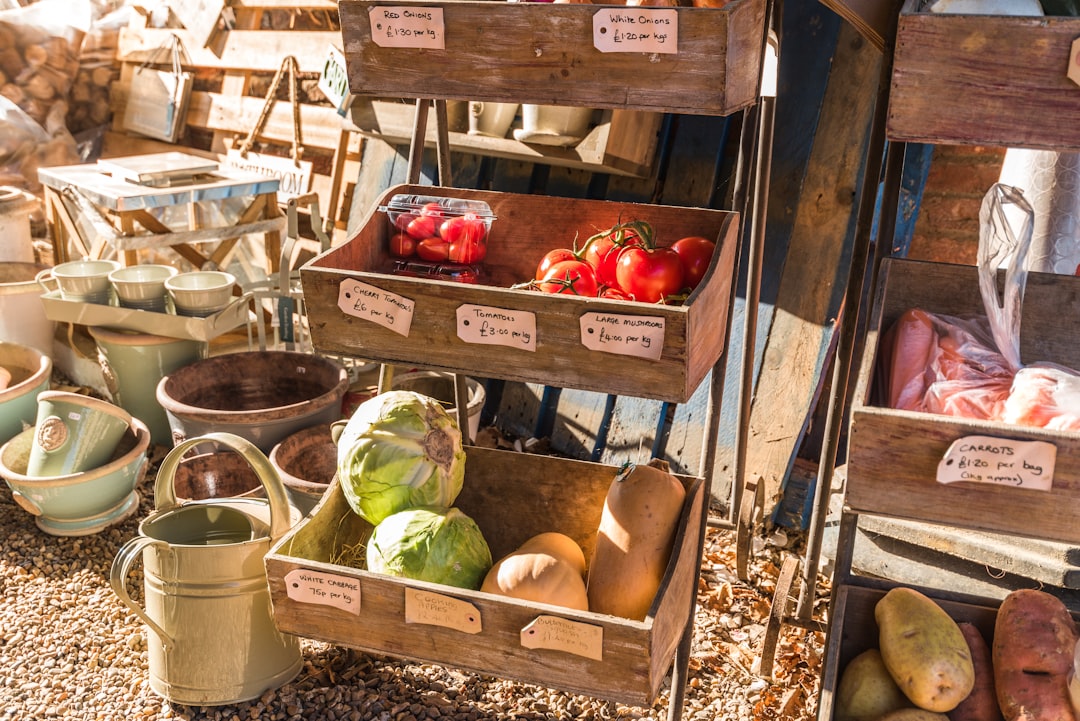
{"type": "Point", "coordinates": [984, 80]}
{"type": "Point", "coordinates": [622, 143]}
{"type": "Point", "coordinates": [544, 54]}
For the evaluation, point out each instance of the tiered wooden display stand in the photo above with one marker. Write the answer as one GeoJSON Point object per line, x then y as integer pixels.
{"type": "Point", "coordinates": [543, 54]}
{"type": "Point", "coordinates": [946, 89]}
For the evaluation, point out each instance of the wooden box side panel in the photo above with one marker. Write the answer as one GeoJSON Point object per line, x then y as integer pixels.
{"type": "Point", "coordinates": [981, 79]}
{"type": "Point", "coordinates": [521, 234]}
{"type": "Point", "coordinates": [511, 498]}
{"type": "Point", "coordinates": [852, 630]}
{"type": "Point", "coordinates": [546, 56]}
{"type": "Point", "coordinates": [893, 455]}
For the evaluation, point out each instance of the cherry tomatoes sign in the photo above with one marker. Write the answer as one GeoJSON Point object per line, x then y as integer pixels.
{"type": "Point", "coordinates": [649, 276]}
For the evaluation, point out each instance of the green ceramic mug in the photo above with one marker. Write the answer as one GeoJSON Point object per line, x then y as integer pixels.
{"type": "Point", "coordinates": [74, 433]}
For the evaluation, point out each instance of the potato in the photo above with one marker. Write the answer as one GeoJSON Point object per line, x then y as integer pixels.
{"type": "Point", "coordinates": [924, 650]}
{"type": "Point", "coordinates": [866, 690]}
{"type": "Point", "coordinates": [1034, 638]}
{"type": "Point", "coordinates": [981, 704]}
{"type": "Point", "coordinates": [913, 714]}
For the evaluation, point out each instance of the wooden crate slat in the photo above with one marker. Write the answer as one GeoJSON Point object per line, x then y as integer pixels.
{"type": "Point", "coordinates": [544, 54]}
{"type": "Point", "coordinates": [984, 79]}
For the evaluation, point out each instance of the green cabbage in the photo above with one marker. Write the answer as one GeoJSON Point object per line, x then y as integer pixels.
{"type": "Point", "coordinates": [399, 450]}
{"type": "Point", "coordinates": [439, 545]}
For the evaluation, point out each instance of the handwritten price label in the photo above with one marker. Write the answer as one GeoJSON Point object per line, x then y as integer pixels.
{"type": "Point", "coordinates": [1000, 462]}
{"type": "Point", "coordinates": [407, 27]}
{"type": "Point", "coordinates": [497, 326]}
{"type": "Point", "coordinates": [389, 310]}
{"type": "Point", "coordinates": [324, 589]}
{"type": "Point", "coordinates": [436, 609]}
{"type": "Point", "coordinates": [560, 634]}
{"type": "Point", "coordinates": [636, 335]}
{"type": "Point", "coordinates": [636, 30]}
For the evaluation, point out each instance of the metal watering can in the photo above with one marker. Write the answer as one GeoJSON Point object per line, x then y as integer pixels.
{"type": "Point", "coordinates": [212, 638]}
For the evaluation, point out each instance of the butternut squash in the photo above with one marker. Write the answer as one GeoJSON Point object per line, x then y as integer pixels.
{"type": "Point", "coordinates": [544, 569]}
{"type": "Point", "coordinates": [634, 540]}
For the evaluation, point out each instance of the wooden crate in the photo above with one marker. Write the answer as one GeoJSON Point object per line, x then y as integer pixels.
{"type": "Point", "coordinates": [527, 226]}
{"type": "Point", "coordinates": [893, 455]}
{"type": "Point", "coordinates": [852, 629]}
{"type": "Point", "coordinates": [622, 143]}
{"type": "Point", "coordinates": [984, 79]}
{"type": "Point", "coordinates": [544, 54]}
{"type": "Point", "coordinates": [511, 496]}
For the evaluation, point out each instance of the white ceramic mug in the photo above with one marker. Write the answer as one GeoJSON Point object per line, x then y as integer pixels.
{"type": "Point", "coordinates": [200, 292]}
{"type": "Point", "coordinates": [83, 280]}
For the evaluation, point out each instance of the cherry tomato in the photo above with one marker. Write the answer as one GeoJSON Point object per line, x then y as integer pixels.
{"type": "Point", "coordinates": [602, 250]}
{"type": "Point", "coordinates": [433, 249]}
{"type": "Point", "coordinates": [570, 277]}
{"type": "Point", "coordinates": [649, 276]}
{"type": "Point", "coordinates": [422, 226]}
{"type": "Point", "coordinates": [551, 258]}
{"type": "Point", "coordinates": [696, 253]}
{"type": "Point", "coordinates": [434, 210]}
{"type": "Point", "coordinates": [467, 236]}
{"type": "Point", "coordinates": [402, 245]}
{"type": "Point", "coordinates": [402, 220]}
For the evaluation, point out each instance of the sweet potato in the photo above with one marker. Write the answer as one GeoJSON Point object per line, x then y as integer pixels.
{"type": "Point", "coordinates": [981, 704]}
{"type": "Point", "coordinates": [1034, 638]}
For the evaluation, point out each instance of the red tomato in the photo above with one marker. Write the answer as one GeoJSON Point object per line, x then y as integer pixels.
{"type": "Point", "coordinates": [433, 209]}
{"type": "Point", "coordinates": [467, 236]}
{"type": "Point", "coordinates": [613, 293]}
{"type": "Point", "coordinates": [649, 276]}
{"type": "Point", "coordinates": [553, 257]}
{"type": "Point", "coordinates": [402, 245]}
{"type": "Point", "coordinates": [696, 253]}
{"type": "Point", "coordinates": [422, 226]}
{"type": "Point", "coordinates": [602, 250]}
{"type": "Point", "coordinates": [433, 249]}
{"type": "Point", "coordinates": [402, 220]}
{"type": "Point", "coordinates": [570, 277]}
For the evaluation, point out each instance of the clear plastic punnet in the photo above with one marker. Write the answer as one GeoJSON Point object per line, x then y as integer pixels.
{"type": "Point", "coordinates": [431, 234]}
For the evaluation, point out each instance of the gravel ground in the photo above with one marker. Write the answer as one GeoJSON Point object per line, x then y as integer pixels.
{"type": "Point", "coordinates": [70, 650]}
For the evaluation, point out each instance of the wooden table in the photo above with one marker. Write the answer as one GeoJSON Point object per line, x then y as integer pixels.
{"type": "Point", "coordinates": [122, 215]}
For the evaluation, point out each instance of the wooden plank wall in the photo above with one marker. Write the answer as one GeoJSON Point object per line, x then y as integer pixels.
{"type": "Point", "coordinates": [695, 166]}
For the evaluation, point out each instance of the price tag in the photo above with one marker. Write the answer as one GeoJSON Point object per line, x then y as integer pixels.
{"type": "Point", "coordinates": [1000, 462]}
{"type": "Point", "coordinates": [636, 30]}
{"type": "Point", "coordinates": [636, 335]}
{"type": "Point", "coordinates": [389, 310]}
{"type": "Point", "coordinates": [324, 589]}
{"type": "Point", "coordinates": [435, 609]}
{"type": "Point", "coordinates": [496, 326]}
{"type": "Point", "coordinates": [334, 80]}
{"type": "Point", "coordinates": [560, 634]}
{"type": "Point", "coordinates": [1074, 62]}
{"type": "Point", "coordinates": [407, 27]}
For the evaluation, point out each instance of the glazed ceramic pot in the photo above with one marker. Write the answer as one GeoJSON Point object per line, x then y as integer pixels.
{"type": "Point", "coordinates": [30, 372]}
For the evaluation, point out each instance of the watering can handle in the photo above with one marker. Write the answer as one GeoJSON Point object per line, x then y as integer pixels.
{"type": "Point", "coordinates": [165, 490]}
{"type": "Point", "coordinates": [118, 576]}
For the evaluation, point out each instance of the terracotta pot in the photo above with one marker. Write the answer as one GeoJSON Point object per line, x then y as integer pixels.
{"type": "Point", "coordinates": [306, 462]}
{"type": "Point", "coordinates": [261, 396]}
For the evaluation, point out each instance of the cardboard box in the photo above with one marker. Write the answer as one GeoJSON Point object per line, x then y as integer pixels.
{"type": "Point", "coordinates": [512, 497]}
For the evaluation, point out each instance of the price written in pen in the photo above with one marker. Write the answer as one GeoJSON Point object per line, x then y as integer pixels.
{"type": "Point", "coordinates": [496, 326]}
{"type": "Point", "coordinates": [1002, 462]}
{"type": "Point", "coordinates": [407, 27]}
{"type": "Point", "coordinates": [384, 308]}
{"type": "Point", "coordinates": [632, 28]}
{"type": "Point", "coordinates": [623, 334]}
{"type": "Point", "coordinates": [637, 30]}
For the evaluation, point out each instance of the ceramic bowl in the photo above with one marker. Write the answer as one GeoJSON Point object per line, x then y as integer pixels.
{"type": "Point", "coordinates": [306, 462]}
{"type": "Point", "coordinates": [86, 281]}
{"type": "Point", "coordinates": [78, 504]}
{"type": "Point", "coordinates": [142, 286]}
{"type": "Point", "coordinates": [200, 292]}
{"type": "Point", "coordinates": [30, 372]}
{"type": "Point", "coordinates": [216, 474]}
{"type": "Point", "coordinates": [261, 396]}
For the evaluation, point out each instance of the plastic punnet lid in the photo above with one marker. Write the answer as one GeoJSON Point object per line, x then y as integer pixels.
{"type": "Point", "coordinates": [407, 203]}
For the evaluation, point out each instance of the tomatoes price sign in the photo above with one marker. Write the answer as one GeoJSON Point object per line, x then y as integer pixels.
{"type": "Point", "coordinates": [636, 30]}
